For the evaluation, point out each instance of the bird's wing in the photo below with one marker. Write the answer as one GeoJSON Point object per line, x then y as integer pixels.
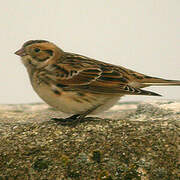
{"type": "Point", "coordinates": [79, 72]}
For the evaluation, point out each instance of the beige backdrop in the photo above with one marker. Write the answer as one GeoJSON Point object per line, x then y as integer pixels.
{"type": "Point", "coordinates": [143, 35]}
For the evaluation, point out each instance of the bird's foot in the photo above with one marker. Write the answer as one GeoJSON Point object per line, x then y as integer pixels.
{"type": "Point", "coordinates": [75, 119]}
{"type": "Point", "coordinates": [70, 121]}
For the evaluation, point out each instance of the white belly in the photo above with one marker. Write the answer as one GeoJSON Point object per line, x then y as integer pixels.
{"type": "Point", "coordinates": [71, 103]}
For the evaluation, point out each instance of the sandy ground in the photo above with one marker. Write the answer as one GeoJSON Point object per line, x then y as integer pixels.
{"type": "Point", "coordinates": [132, 140]}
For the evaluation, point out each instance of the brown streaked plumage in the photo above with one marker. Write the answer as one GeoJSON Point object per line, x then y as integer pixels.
{"type": "Point", "coordinates": [80, 85]}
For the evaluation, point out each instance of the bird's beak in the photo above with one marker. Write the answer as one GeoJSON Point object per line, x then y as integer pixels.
{"type": "Point", "coordinates": [21, 52]}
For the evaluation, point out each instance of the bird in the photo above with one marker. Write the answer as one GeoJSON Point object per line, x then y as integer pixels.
{"type": "Point", "coordinates": [79, 85]}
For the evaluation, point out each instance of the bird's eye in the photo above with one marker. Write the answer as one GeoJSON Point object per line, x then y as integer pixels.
{"type": "Point", "coordinates": [36, 50]}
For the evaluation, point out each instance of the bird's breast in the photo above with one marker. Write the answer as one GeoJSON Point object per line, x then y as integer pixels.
{"type": "Point", "coordinates": [73, 102]}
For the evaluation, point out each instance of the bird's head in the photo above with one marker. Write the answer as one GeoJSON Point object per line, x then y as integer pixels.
{"type": "Point", "coordinates": [38, 53]}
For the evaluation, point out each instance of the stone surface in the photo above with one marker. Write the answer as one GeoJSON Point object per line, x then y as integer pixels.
{"type": "Point", "coordinates": [130, 141]}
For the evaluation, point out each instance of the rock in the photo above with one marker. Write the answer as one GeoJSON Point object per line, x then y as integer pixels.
{"type": "Point", "coordinates": [130, 141]}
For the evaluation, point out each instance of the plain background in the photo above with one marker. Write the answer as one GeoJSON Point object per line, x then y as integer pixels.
{"type": "Point", "coordinates": [142, 35]}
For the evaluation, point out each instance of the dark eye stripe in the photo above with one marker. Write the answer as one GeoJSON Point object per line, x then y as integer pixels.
{"type": "Point", "coordinates": [50, 52]}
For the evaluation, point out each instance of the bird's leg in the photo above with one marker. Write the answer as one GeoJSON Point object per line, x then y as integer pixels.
{"type": "Point", "coordinates": [68, 120]}
{"type": "Point", "coordinates": [74, 119]}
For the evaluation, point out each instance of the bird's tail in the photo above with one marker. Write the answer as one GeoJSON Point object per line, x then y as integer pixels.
{"type": "Point", "coordinates": [153, 81]}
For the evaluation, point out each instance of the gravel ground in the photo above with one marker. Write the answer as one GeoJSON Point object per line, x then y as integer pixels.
{"type": "Point", "coordinates": [131, 141]}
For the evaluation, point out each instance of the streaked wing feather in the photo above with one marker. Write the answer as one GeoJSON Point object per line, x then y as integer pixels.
{"type": "Point", "coordinates": [82, 78]}
{"type": "Point", "coordinates": [122, 89]}
{"type": "Point", "coordinates": [67, 74]}
{"type": "Point", "coordinates": [96, 77]}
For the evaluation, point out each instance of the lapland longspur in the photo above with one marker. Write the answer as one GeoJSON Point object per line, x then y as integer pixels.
{"type": "Point", "coordinates": [79, 85]}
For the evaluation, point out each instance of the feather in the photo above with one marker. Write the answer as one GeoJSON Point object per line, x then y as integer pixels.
{"type": "Point", "coordinates": [97, 77]}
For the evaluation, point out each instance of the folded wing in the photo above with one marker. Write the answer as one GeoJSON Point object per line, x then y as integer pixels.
{"type": "Point", "coordinates": [96, 77]}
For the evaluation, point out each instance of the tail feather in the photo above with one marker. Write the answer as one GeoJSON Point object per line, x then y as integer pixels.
{"type": "Point", "coordinates": [163, 83]}
{"type": "Point", "coordinates": [148, 93]}
{"type": "Point", "coordinates": [153, 81]}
